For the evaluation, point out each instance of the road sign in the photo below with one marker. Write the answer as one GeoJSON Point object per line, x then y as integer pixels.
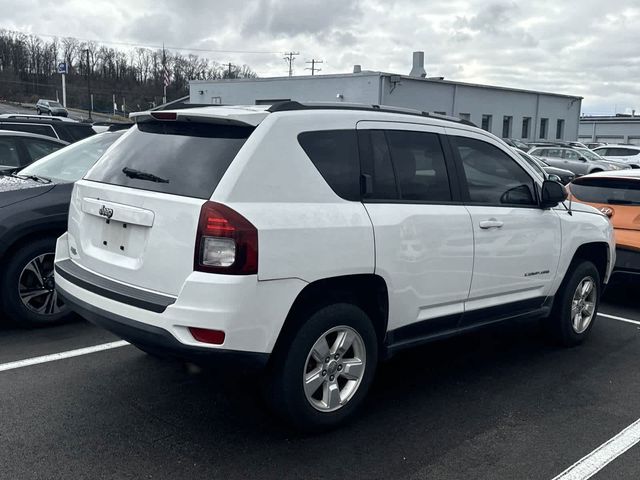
{"type": "Point", "coordinates": [62, 67]}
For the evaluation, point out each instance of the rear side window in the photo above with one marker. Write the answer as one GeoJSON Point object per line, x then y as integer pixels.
{"type": "Point", "coordinates": [187, 159]}
{"type": "Point", "coordinates": [73, 133]}
{"type": "Point", "coordinates": [29, 128]}
{"type": "Point", "coordinates": [335, 154]}
{"type": "Point", "coordinates": [614, 191]}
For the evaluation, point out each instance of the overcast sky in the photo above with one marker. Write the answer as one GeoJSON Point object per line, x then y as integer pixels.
{"type": "Point", "coordinates": [580, 47]}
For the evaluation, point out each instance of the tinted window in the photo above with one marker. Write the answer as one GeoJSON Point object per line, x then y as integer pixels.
{"type": "Point", "coordinates": [377, 161]}
{"type": "Point", "coordinates": [493, 177]}
{"type": "Point", "coordinates": [335, 154]}
{"type": "Point", "coordinates": [615, 191]}
{"type": "Point", "coordinates": [29, 128]}
{"type": "Point", "coordinates": [619, 152]}
{"type": "Point", "coordinates": [74, 161]}
{"type": "Point", "coordinates": [189, 158]}
{"type": "Point", "coordinates": [40, 148]}
{"type": "Point", "coordinates": [72, 133]}
{"type": "Point", "coordinates": [9, 152]}
{"type": "Point", "coordinates": [602, 151]}
{"type": "Point", "coordinates": [419, 166]}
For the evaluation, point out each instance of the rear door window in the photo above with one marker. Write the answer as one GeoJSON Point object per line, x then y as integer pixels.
{"type": "Point", "coordinates": [613, 191]}
{"type": "Point", "coordinates": [179, 158]}
{"type": "Point", "coordinates": [335, 154]}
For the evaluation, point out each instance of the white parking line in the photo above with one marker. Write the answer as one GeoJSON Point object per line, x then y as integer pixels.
{"type": "Point", "coordinates": [620, 319]}
{"type": "Point", "coordinates": [591, 464]}
{"type": "Point", "coordinates": [59, 356]}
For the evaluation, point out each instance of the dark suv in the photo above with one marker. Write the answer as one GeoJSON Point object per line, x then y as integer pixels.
{"type": "Point", "coordinates": [51, 107]}
{"type": "Point", "coordinates": [52, 127]}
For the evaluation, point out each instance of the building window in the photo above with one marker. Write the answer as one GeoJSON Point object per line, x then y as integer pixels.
{"type": "Point", "coordinates": [506, 127]}
{"type": "Point", "coordinates": [486, 122]}
{"type": "Point", "coordinates": [526, 127]}
{"type": "Point", "coordinates": [544, 122]}
{"type": "Point", "coordinates": [465, 116]}
{"type": "Point", "coordinates": [560, 130]}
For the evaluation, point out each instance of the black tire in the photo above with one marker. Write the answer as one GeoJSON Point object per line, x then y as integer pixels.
{"type": "Point", "coordinates": [560, 323]}
{"type": "Point", "coordinates": [13, 307]}
{"type": "Point", "coordinates": [284, 390]}
{"type": "Point", "coordinates": [595, 170]}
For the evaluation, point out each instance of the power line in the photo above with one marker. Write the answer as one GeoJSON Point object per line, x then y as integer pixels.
{"type": "Point", "coordinates": [128, 44]}
{"type": "Point", "coordinates": [289, 58]}
{"type": "Point", "coordinates": [313, 68]}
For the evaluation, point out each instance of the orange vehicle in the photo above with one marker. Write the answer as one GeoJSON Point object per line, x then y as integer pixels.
{"type": "Point", "coordinates": [617, 195]}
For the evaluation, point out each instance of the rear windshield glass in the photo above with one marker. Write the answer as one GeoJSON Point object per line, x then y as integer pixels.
{"type": "Point", "coordinates": [614, 191]}
{"type": "Point", "coordinates": [186, 159]}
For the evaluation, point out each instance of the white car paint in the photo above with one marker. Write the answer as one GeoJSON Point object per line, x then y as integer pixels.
{"type": "Point", "coordinates": [435, 259]}
{"type": "Point", "coordinates": [630, 158]}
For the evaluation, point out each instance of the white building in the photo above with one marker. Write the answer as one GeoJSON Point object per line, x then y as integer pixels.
{"type": "Point", "coordinates": [615, 129]}
{"type": "Point", "coordinates": [506, 112]}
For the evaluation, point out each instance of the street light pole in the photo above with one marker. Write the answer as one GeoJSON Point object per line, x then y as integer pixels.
{"type": "Point", "coordinates": [89, 84]}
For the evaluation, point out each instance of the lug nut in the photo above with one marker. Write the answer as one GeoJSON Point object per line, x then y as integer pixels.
{"type": "Point", "coordinates": [324, 373]}
{"type": "Point", "coordinates": [327, 360]}
{"type": "Point", "coordinates": [339, 367]}
{"type": "Point", "coordinates": [331, 378]}
{"type": "Point", "coordinates": [336, 356]}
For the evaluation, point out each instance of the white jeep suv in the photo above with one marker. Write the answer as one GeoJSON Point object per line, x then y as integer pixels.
{"type": "Point", "coordinates": [316, 240]}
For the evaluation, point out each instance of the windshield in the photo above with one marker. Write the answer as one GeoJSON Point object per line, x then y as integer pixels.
{"type": "Point", "coordinates": [589, 155]}
{"type": "Point", "coordinates": [71, 163]}
{"type": "Point", "coordinates": [533, 162]}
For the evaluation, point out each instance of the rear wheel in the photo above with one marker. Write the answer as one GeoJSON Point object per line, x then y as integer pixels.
{"type": "Point", "coordinates": [27, 287]}
{"type": "Point", "coordinates": [576, 305]}
{"type": "Point", "coordinates": [595, 170]}
{"type": "Point", "coordinates": [320, 378]}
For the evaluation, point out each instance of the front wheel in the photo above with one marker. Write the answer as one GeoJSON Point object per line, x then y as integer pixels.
{"type": "Point", "coordinates": [576, 305]}
{"type": "Point", "coordinates": [27, 287]}
{"type": "Point", "coordinates": [38, 111]}
{"type": "Point", "coordinates": [320, 378]}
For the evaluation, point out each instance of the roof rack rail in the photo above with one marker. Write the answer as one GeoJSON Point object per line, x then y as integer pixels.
{"type": "Point", "coordinates": [289, 106]}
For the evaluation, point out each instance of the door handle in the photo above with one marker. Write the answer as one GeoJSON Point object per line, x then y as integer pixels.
{"type": "Point", "coordinates": [491, 223]}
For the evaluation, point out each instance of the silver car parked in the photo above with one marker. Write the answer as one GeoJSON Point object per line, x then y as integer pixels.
{"type": "Point", "coordinates": [580, 161]}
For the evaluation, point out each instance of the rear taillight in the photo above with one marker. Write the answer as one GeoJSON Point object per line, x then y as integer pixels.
{"type": "Point", "coordinates": [226, 242]}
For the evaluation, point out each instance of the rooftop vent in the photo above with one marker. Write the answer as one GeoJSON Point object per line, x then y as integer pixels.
{"type": "Point", "coordinates": [418, 65]}
{"type": "Point", "coordinates": [357, 68]}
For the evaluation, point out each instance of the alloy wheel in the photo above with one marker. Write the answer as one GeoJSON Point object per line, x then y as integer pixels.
{"type": "Point", "coordinates": [334, 368]}
{"type": "Point", "coordinates": [583, 305]}
{"type": "Point", "coordinates": [36, 286]}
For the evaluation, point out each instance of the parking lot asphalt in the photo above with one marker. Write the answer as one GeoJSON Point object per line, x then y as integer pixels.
{"type": "Point", "coordinates": [501, 403]}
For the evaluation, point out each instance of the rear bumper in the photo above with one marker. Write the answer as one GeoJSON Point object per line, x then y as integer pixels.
{"type": "Point", "coordinates": [250, 312]}
{"type": "Point", "coordinates": [160, 340]}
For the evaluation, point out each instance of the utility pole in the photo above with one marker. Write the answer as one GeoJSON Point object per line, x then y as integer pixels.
{"type": "Point", "coordinates": [86, 50]}
{"type": "Point", "coordinates": [229, 74]}
{"type": "Point", "coordinates": [313, 68]}
{"type": "Point", "coordinates": [289, 58]}
{"type": "Point", "coordinates": [165, 76]}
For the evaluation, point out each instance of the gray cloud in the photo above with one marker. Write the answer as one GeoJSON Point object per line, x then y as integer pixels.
{"type": "Point", "coordinates": [577, 47]}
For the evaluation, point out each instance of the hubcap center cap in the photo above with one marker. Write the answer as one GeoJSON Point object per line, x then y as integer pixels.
{"type": "Point", "coordinates": [332, 367]}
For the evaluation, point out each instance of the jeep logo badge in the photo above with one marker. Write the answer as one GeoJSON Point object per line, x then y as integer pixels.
{"type": "Point", "coordinates": [106, 212]}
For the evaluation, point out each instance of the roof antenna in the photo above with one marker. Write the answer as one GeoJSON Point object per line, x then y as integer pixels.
{"type": "Point", "coordinates": [570, 202]}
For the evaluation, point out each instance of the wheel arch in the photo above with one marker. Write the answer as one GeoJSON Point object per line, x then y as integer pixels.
{"type": "Point", "coordinates": [595, 252]}
{"type": "Point", "coordinates": [367, 291]}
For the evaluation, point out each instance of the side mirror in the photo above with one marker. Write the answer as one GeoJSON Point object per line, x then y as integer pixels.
{"type": "Point", "coordinates": [554, 178]}
{"type": "Point", "coordinates": [552, 194]}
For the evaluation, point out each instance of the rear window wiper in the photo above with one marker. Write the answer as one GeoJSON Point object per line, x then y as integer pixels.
{"type": "Point", "coordinates": [133, 173]}
{"type": "Point", "coordinates": [36, 178]}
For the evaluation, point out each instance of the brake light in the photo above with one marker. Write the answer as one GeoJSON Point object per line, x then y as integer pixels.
{"type": "Point", "coordinates": [226, 242]}
{"type": "Point", "coordinates": [164, 115]}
